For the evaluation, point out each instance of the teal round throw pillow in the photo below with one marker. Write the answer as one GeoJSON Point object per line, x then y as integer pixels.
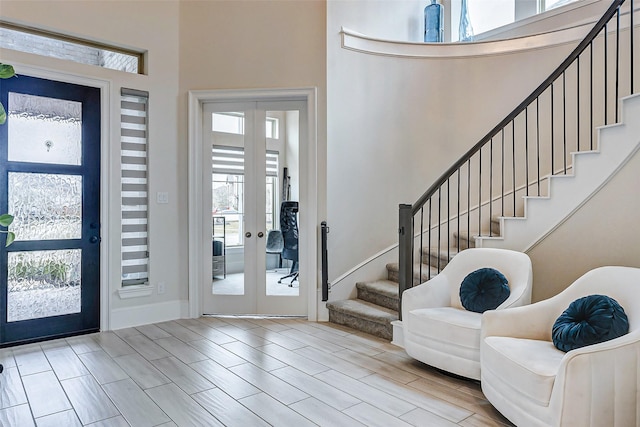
{"type": "Point", "coordinates": [589, 320]}
{"type": "Point", "coordinates": [484, 289]}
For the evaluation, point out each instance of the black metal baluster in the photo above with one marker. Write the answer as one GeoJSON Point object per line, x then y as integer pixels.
{"type": "Point", "coordinates": [564, 122]}
{"type": "Point", "coordinates": [439, 226]}
{"type": "Point", "coordinates": [490, 187]}
{"type": "Point", "coordinates": [421, 246]}
{"type": "Point", "coordinates": [513, 161]}
{"type": "Point", "coordinates": [429, 242]}
{"type": "Point", "coordinates": [553, 151]}
{"type": "Point", "coordinates": [538, 140]}
{"type": "Point", "coordinates": [458, 220]}
{"type": "Point", "coordinates": [448, 220]}
{"type": "Point", "coordinates": [606, 79]}
{"type": "Point", "coordinates": [631, 43]}
{"type": "Point", "coordinates": [468, 202]}
{"type": "Point", "coordinates": [591, 128]}
{"type": "Point", "coordinates": [617, 101]}
{"type": "Point", "coordinates": [502, 177]}
{"type": "Point", "coordinates": [480, 190]}
{"type": "Point", "coordinates": [578, 104]}
{"type": "Point", "coordinates": [526, 150]}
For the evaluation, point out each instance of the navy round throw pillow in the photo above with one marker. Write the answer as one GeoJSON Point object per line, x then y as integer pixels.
{"type": "Point", "coordinates": [589, 320]}
{"type": "Point", "coordinates": [484, 289]}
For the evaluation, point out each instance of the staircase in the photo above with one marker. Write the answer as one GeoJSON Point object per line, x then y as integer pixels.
{"type": "Point", "coordinates": [377, 303]}
{"type": "Point", "coordinates": [581, 153]}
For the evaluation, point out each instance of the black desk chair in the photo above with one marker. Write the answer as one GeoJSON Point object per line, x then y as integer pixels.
{"type": "Point", "coordinates": [289, 229]}
{"type": "Point", "coordinates": [275, 244]}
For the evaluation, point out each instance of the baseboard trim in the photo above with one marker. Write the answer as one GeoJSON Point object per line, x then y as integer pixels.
{"type": "Point", "coordinates": [150, 313]}
{"type": "Point", "coordinates": [398, 333]}
{"type": "Point", "coordinates": [322, 311]}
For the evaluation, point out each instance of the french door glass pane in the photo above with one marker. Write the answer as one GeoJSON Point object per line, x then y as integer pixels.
{"type": "Point", "coordinates": [43, 283]}
{"type": "Point", "coordinates": [282, 268]}
{"type": "Point", "coordinates": [228, 204]}
{"type": "Point", "coordinates": [44, 130]}
{"type": "Point", "coordinates": [45, 206]}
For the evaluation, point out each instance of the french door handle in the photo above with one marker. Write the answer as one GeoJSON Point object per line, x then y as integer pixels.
{"type": "Point", "coordinates": [260, 234]}
{"type": "Point", "coordinates": [94, 239]}
{"type": "Point", "coordinates": [247, 234]}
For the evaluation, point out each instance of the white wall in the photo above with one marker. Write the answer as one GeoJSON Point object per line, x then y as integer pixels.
{"type": "Point", "coordinates": [602, 232]}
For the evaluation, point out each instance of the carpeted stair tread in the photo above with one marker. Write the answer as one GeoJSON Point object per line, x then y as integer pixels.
{"type": "Point", "coordinates": [364, 310]}
{"type": "Point", "coordinates": [393, 272]}
{"type": "Point", "coordinates": [444, 251]}
{"type": "Point", "coordinates": [382, 287]}
{"type": "Point", "coordinates": [381, 292]}
{"type": "Point", "coordinates": [363, 316]}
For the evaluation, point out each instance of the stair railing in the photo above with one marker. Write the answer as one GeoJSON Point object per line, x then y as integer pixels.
{"type": "Point", "coordinates": [521, 152]}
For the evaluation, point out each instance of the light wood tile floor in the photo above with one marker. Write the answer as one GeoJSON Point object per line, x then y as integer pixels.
{"type": "Point", "coordinates": [231, 372]}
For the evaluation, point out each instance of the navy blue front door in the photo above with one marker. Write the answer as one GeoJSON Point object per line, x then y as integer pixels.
{"type": "Point", "coordinates": [50, 182]}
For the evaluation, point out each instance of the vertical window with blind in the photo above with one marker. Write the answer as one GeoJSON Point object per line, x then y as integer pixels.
{"type": "Point", "coordinates": [133, 155]}
{"type": "Point", "coordinates": [228, 190]}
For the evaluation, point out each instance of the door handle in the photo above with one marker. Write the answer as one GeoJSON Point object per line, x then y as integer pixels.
{"type": "Point", "coordinates": [94, 239]}
{"type": "Point", "coordinates": [247, 234]}
{"type": "Point", "coordinates": [261, 234]}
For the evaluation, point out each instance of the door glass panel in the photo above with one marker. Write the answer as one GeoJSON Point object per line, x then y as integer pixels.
{"type": "Point", "coordinates": [282, 182]}
{"type": "Point", "coordinates": [44, 130]}
{"type": "Point", "coordinates": [228, 204]}
{"type": "Point", "coordinates": [43, 283]}
{"type": "Point", "coordinates": [45, 206]}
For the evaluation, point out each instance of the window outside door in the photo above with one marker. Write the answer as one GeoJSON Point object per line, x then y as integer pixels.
{"type": "Point", "coordinates": [254, 168]}
{"type": "Point", "coordinates": [50, 182]}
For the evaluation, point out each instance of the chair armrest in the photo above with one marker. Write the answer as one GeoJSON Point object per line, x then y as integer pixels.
{"type": "Point", "coordinates": [528, 321]}
{"type": "Point", "coordinates": [520, 293]}
{"type": "Point", "coordinates": [432, 293]}
{"type": "Point", "coordinates": [631, 338]}
{"type": "Point", "coordinates": [599, 377]}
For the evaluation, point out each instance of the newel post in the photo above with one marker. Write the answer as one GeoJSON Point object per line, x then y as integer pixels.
{"type": "Point", "coordinates": [405, 252]}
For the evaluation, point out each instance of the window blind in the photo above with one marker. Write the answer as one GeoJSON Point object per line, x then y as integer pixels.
{"type": "Point", "coordinates": [133, 156]}
{"type": "Point", "coordinates": [230, 161]}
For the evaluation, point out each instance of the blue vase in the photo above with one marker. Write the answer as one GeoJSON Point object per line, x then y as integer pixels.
{"type": "Point", "coordinates": [434, 23]}
{"type": "Point", "coordinates": [465, 30]}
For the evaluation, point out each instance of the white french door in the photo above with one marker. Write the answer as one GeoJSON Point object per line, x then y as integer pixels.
{"type": "Point", "coordinates": [254, 167]}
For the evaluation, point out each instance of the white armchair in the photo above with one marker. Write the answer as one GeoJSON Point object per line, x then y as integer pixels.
{"type": "Point", "coordinates": [534, 384]}
{"type": "Point", "coordinates": [438, 330]}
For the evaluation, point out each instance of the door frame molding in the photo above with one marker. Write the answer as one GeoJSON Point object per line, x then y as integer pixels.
{"type": "Point", "coordinates": [308, 194]}
{"type": "Point", "coordinates": [105, 87]}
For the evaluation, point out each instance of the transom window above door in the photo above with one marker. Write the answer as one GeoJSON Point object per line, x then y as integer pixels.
{"type": "Point", "coordinates": [234, 123]}
{"type": "Point", "coordinates": [62, 46]}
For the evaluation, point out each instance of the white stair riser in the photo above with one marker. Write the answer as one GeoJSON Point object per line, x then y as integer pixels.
{"type": "Point", "coordinates": [591, 170]}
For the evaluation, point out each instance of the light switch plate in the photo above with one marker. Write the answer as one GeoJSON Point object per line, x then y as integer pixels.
{"type": "Point", "coordinates": [162, 197]}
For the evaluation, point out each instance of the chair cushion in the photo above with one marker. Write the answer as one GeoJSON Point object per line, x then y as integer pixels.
{"type": "Point", "coordinates": [529, 366]}
{"type": "Point", "coordinates": [589, 320]}
{"type": "Point", "coordinates": [443, 326]}
{"type": "Point", "coordinates": [484, 289]}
